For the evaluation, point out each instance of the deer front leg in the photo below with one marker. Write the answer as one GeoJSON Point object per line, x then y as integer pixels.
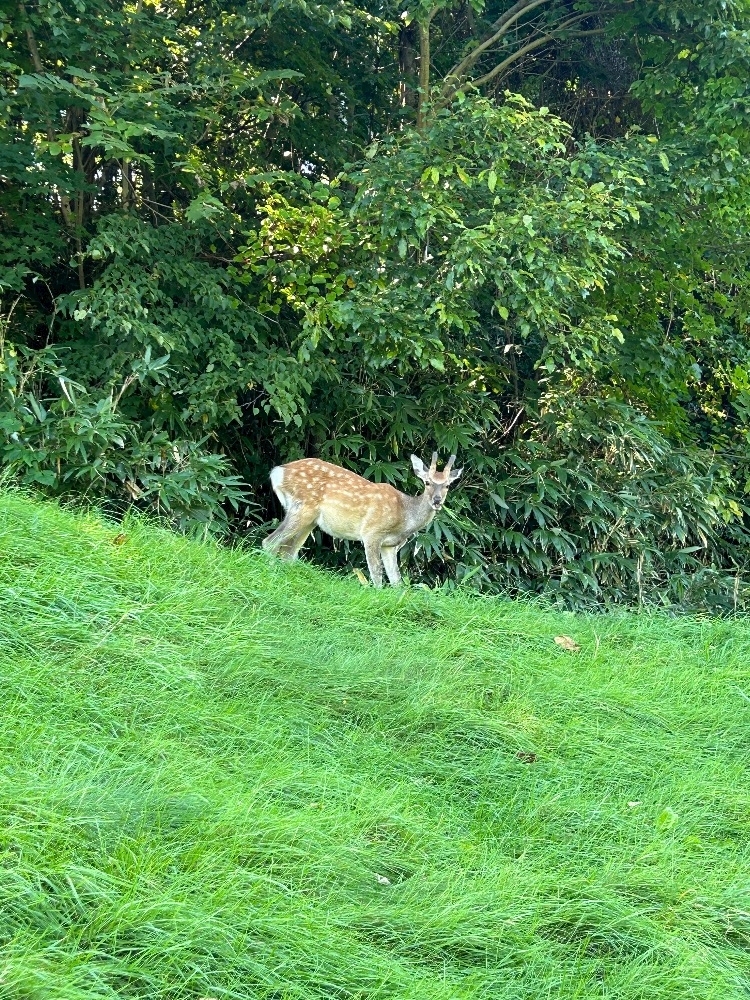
{"type": "Point", "coordinates": [389, 554]}
{"type": "Point", "coordinates": [374, 563]}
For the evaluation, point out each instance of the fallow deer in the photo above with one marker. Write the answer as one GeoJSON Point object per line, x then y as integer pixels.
{"type": "Point", "coordinates": [314, 493]}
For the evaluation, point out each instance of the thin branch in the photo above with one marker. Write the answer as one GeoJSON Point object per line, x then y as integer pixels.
{"type": "Point", "coordinates": [520, 53]}
{"type": "Point", "coordinates": [513, 422]}
{"type": "Point", "coordinates": [157, 215]}
{"type": "Point", "coordinates": [424, 69]}
{"type": "Point", "coordinates": [233, 52]}
{"type": "Point", "coordinates": [5, 323]}
{"type": "Point", "coordinates": [31, 39]}
{"type": "Point", "coordinates": [80, 196]}
{"type": "Point", "coordinates": [39, 68]}
{"type": "Point", "coordinates": [123, 388]}
{"type": "Point", "coordinates": [498, 29]}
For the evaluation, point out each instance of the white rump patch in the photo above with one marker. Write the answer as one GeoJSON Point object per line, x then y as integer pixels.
{"type": "Point", "coordinates": [277, 482]}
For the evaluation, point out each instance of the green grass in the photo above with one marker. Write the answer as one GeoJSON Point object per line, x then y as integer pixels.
{"type": "Point", "coordinates": [226, 777]}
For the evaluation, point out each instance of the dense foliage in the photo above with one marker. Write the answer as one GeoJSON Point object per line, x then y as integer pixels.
{"type": "Point", "coordinates": [233, 235]}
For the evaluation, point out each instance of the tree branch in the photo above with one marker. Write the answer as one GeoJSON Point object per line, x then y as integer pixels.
{"type": "Point", "coordinates": [80, 205]}
{"type": "Point", "coordinates": [536, 44]}
{"type": "Point", "coordinates": [63, 199]}
{"type": "Point", "coordinates": [501, 27]}
{"type": "Point", "coordinates": [424, 69]}
{"type": "Point", "coordinates": [458, 73]}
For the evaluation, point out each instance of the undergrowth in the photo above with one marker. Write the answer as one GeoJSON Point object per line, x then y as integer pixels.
{"type": "Point", "coordinates": [223, 777]}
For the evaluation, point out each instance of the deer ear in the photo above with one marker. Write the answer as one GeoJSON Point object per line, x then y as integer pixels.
{"type": "Point", "coordinates": [419, 468]}
{"type": "Point", "coordinates": [454, 474]}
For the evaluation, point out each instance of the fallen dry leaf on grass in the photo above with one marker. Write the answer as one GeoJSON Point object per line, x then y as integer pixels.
{"type": "Point", "coordinates": [567, 643]}
{"type": "Point", "coordinates": [361, 577]}
{"type": "Point", "coordinates": [119, 539]}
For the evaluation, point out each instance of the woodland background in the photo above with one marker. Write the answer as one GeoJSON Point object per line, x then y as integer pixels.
{"type": "Point", "coordinates": [232, 235]}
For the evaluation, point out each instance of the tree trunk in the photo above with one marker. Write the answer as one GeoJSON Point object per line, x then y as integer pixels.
{"type": "Point", "coordinates": [424, 71]}
{"type": "Point", "coordinates": [407, 65]}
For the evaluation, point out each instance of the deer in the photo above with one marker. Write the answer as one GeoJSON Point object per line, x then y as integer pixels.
{"type": "Point", "coordinates": [319, 494]}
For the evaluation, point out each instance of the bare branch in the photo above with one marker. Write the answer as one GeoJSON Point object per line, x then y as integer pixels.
{"type": "Point", "coordinates": [31, 39]}
{"type": "Point", "coordinates": [498, 30]}
{"type": "Point", "coordinates": [455, 77]}
{"type": "Point", "coordinates": [536, 44]}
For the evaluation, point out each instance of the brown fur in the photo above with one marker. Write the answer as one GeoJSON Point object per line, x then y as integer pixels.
{"type": "Point", "coordinates": [318, 494]}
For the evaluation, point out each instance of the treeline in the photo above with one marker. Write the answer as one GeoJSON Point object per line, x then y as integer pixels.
{"type": "Point", "coordinates": [237, 234]}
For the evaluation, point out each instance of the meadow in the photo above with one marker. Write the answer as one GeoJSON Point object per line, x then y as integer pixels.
{"type": "Point", "coordinates": [225, 777]}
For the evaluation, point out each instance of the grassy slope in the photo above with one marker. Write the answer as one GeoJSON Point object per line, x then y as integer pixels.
{"type": "Point", "coordinates": [211, 763]}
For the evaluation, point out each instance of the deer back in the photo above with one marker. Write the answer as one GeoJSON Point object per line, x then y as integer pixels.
{"type": "Point", "coordinates": [342, 503]}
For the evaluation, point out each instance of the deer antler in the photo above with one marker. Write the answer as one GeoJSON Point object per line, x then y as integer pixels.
{"type": "Point", "coordinates": [449, 464]}
{"type": "Point", "coordinates": [433, 464]}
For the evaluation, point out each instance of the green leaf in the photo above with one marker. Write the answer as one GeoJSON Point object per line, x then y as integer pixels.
{"type": "Point", "coordinates": [39, 412]}
{"type": "Point", "coordinates": [205, 206]}
{"type": "Point", "coordinates": [667, 819]}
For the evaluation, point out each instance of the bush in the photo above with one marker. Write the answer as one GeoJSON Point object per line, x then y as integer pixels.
{"type": "Point", "coordinates": [596, 507]}
{"type": "Point", "coordinates": [72, 441]}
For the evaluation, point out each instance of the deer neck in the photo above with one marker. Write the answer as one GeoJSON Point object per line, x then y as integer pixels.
{"type": "Point", "coordinates": [419, 513]}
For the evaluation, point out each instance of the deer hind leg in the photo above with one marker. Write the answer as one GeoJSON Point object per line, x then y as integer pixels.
{"type": "Point", "coordinates": [290, 546]}
{"type": "Point", "coordinates": [374, 563]}
{"type": "Point", "coordinates": [289, 537]}
{"type": "Point", "coordinates": [389, 555]}
{"type": "Point", "coordinates": [274, 541]}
